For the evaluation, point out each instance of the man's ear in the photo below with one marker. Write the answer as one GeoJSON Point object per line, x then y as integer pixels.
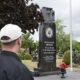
{"type": "Point", "coordinates": [19, 41]}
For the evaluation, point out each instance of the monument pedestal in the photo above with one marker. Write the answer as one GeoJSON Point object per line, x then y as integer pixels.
{"type": "Point", "coordinates": [39, 72]}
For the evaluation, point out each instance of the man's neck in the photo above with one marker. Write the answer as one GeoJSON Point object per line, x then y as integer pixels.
{"type": "Point", "coordinates": [10, 49]}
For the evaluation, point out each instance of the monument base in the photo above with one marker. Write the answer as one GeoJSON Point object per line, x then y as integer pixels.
{"type": "Point", "coordinates": [38, 72]}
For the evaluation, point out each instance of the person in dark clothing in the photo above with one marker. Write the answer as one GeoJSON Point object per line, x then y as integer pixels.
{"type": "Point", "coordinates": [63, 67]}
{"type": "Point", "coordinates": [74, 56]}
{"type": "Point", "coordinates": [11, 67]}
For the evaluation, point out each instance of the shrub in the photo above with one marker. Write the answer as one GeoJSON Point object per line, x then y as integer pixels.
{"type": "Point", "coordinates": [20, 56]}
{"type": "Point", "coordinates": [27, 56]}
{"type": "Point", "coordinates": [66, 57]}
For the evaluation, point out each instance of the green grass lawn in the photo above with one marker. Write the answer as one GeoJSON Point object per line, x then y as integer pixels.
{"type": "Point", "coordinates": [31, 64]}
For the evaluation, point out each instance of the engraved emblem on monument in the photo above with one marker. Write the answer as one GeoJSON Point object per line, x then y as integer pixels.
{"type": "Point", "coordinates": [49, 32]}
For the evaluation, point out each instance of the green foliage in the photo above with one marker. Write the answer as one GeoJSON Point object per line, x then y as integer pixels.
{"type": "Point", "coordinates": [20, 56]}
{"type": "Point", "coordinates": [62, 39]}
{"type": "Point", "coordinates": [20, 13]}
{"type": "Point", "coordinates": [34, 46]}
{"type": "Point", "coordinates": [66, 57]}
{"type": "Point", "coordinates": [28, 42]}
{"type": "Point", "coordinates": [27, 56]}
{"type": "Point", "coordinates": [76, 46]}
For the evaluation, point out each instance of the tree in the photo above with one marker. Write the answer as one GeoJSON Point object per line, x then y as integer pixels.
{"type": "Point", "coordinates": [20, 13]}
{"type": "Point", "coordinates": [62, 39]}
{"type": "Point", "coordinates": [76, 46]}
{"type": "Point", "coordinates": [28, 42]}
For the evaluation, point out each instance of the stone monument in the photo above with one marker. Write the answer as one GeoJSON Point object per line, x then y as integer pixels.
{"type": "Point", "coordinates": [47, 43]}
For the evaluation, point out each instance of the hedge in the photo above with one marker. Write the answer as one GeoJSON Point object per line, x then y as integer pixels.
{"type": "Point", "coordinates": [66, 57]}
{"type": "Point", "coordinates": [20, 55]}
{"type": "Point", "coordinates": [26, 56]}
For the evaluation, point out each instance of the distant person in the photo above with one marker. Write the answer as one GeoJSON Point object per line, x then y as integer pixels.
{"type": "Point", "coordinates": [63, 67]}
{"type": "Point", "coordinates": [11, 67]}
{"type": "Point", "coordinates": [74, 56]}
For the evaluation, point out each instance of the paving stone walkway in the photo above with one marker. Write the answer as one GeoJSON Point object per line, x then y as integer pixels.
{"type": "Point", "coordinates": [71, 75]}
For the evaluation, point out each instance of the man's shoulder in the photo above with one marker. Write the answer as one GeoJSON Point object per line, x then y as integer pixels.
{"type": "Point", "coordinates": [15, 67]}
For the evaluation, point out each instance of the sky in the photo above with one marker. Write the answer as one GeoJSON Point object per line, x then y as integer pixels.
{"type": "Point", "coordinates": [62, 12]}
